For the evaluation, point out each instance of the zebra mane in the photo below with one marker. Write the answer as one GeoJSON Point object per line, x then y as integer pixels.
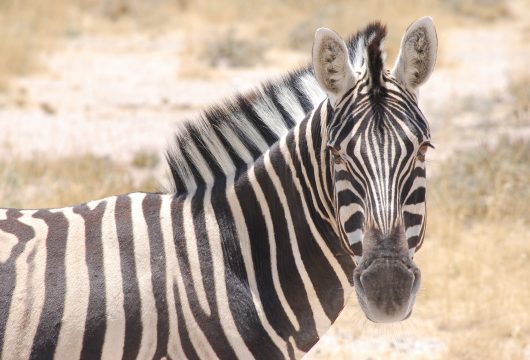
{"type": "Point", "coordinates": [227, 136]}
{"type": "Point", "coordinates": [375, 58]}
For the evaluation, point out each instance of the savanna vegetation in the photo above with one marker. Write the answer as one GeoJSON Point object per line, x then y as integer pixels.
{"type": "Point", "coordinates": [231, 33]}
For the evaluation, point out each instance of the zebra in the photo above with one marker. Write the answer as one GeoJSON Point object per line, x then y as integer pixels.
{"type": "Point", "coordinates": [285, 200]}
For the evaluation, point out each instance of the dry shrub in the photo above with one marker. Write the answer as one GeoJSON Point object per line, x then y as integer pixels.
{"type": "Point", "coordinates": [229, 50]}
{"type": "Point", "coordinates": [519, 88]}
{"type": "Point", "coordinates": [145, 159]}
{"type": "Point", "coordinates": [48, 183]}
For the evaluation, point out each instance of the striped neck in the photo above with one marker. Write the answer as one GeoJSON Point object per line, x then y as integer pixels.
{"type": "Point", "coordinates": [284, 199]}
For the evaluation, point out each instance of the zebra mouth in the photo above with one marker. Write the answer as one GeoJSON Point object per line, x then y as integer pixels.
{"type": "Point", "coordinates": [386, 289]}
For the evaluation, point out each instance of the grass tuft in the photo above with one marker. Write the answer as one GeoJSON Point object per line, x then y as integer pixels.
{"type": "Point", "coordinates": [50, 183]}
{"type": "Point", "coordinates": [519, 89]}
{"type": "Point", "coordinates": [145, 160]}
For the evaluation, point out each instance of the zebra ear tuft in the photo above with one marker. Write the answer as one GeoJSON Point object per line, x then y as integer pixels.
{"type": "Point", "coordinates": [417, 54]}
{"type": "Point", "coordinates": [331, 63]}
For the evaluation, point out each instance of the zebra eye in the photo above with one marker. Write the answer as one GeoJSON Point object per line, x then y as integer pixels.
{"type": "Point", "coordinates": [337, 159]}
{"type": "Point", "coordinates": [423, 151]}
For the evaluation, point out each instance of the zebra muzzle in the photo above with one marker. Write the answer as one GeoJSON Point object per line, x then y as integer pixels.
{"type": "Point", "coordinates": [386, 288]}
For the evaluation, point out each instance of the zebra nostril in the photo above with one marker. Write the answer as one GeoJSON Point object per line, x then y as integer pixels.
{"type": "Point", "coordinates": [358, 284]}
{"type": "Point", "coordinates": [417, 281]}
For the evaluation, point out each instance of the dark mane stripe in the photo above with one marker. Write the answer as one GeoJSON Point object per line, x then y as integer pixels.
{"type": "Point", "coordinates": [229, 135]}
{"type": "Point", "coordinates": [375, 59]}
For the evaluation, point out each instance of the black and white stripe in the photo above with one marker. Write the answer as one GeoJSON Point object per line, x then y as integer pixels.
{"type": "Point", "coordinates": [250, 257]}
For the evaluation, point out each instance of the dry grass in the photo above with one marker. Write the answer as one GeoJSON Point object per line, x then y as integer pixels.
{"type": "Point", "coordinates": [520, 91]}
{"type": "Point", "coordinates": [60, 182]}
{"type": "Point", "coordinates": [487, 184]}
{"type": "Point", "coordinates": [476, 259]}
{"type": "Point", "coordinates": [145, 160]}
{"type": "Point", "coordinates": [291, 24]}
{"type": "Point", "coordinates": [27, 27]}
{"type": "Point", "coordinates": [476, 289]}
{"type": "Point", "coordinates": [482, 10]}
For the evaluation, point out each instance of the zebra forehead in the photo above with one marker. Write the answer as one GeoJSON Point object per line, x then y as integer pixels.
{"type": "Point", "coordinates": [389, 126]}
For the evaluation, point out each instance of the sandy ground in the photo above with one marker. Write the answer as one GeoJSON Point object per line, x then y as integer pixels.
{"type": "Point", "coordinates": [116, 96]}
{"type": "Point", "coordinates": [110, 96]}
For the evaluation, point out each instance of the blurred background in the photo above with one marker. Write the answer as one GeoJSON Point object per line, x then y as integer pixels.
{"type": "Point", "coordinates": [92, 91]}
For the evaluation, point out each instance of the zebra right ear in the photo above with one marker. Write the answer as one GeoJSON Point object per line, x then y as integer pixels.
{"type": "Point", "coordinates": [417, 54]}
{"type": "Point", "coordinates": [331, 63]}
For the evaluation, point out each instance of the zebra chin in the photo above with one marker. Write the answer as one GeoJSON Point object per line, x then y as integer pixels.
{"type": "Point", "coordinates": [386, 282]}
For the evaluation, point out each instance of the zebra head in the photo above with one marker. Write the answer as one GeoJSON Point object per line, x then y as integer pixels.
{"type": "Point", "coordinates": [377, 139]}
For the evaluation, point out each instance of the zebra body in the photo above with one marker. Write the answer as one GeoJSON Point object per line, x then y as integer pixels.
{"type": "Point", "coordinates": [160, 275]}
{"type": "Point", "coordinates": [258, 248]}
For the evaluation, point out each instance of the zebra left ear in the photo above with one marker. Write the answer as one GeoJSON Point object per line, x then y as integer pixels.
{"type": "Point", "coordinates": [331, 62]}
{"type": "Point", "coordinates": [417, 54]}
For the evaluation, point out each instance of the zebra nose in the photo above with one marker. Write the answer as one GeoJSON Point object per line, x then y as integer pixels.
{"type": "Point", "coordinates": [387, 288]}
